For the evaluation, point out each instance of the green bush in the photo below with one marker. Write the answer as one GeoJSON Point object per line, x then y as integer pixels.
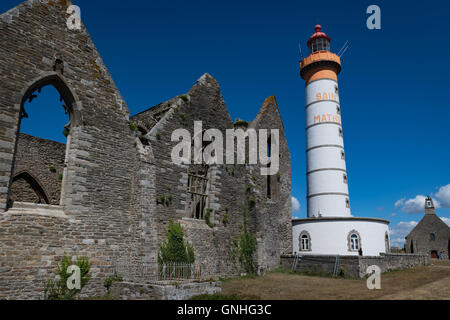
{"type": "Point", "coordinates": [66, 132]}
{"type": "Point", "coordinates": [175, 248]}
{"type": "Point", "coordinates": [241, 123]}
{"type": "Point", "coordinates": [133, 126]}
{"type": "Point", "coordinates": [58, 290]}
{"type": "Point", "coordinates": [225, 219]}
{"type": "Point", "coordinates": [110, 280]}
{"type": "Point", "coordinates": [208, 217]}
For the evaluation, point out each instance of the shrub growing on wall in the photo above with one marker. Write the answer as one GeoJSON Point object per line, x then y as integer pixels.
{"type": "Point", "coordinates": [58, 290]}
{"type": "Point", "coordinates": [175, 248]}
{"type": "Point", "coordinates": [244, 248]}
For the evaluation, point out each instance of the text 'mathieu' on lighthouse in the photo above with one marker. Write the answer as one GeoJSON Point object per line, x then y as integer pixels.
{"type": "Point", "coordinates": [329, 228]}
{"type": "Point", "coordinates": [327, 183]}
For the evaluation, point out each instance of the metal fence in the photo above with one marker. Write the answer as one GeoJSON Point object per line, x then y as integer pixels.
{"type": "Point", "coordinates": [179, 271]}
{"type": "Point", "coordinates": [172, 271]}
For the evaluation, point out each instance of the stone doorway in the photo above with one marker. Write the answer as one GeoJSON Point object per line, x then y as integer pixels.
{"type": "Point", "coordinates": [434, 254]}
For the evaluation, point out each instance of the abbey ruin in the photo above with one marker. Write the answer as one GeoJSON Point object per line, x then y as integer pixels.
{"type": "Point", "coordinates": [110, 192]}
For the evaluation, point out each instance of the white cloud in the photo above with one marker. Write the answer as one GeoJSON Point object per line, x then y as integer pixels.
{"type": "Point", "coordinates": [444, 196]}
{"type": "Point", "coordinates": [446, 220]}
{"type": "Point", "coordinates": [441, 199]}
{"type": "Point", "coordinates": [414, 205]}
{"type": "Point", "coordinates": [295, 204]}
{"type": "Point", "coordinates": [398, 203]}
{"type": "Point", "coordinates": [400, 231]}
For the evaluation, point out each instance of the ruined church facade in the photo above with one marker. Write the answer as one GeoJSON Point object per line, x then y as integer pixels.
{"type": "Point", "coordinates": [110, 192]}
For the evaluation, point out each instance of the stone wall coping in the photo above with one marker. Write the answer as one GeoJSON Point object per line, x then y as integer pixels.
{"type": "Point", "coordinates": [195, 223]}
{"type": "Point", "coordinates": [46, 210]}
{"type": "Point", "coordinates": [172, 283]}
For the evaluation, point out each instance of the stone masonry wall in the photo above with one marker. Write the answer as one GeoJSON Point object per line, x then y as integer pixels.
{"type": "Point", "coordinates": [100, 219]}
{"type": "Point", "coordinates": [231, 187]}
{"type": "Point", "coordinates": [180, 291]}
{"type": "Point", "coordinates": [44, 161]}
{"type": "Point", "coordinates": [354, 266]}
{"type": "Point", "coordinates": [393, 261]}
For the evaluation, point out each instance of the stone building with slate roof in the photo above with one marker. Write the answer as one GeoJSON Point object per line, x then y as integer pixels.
{"type": "Point", "coordinates": [431, 235]}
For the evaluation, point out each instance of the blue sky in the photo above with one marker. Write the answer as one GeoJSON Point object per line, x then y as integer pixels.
{"type": "Point", "coordinates": [393, 87]}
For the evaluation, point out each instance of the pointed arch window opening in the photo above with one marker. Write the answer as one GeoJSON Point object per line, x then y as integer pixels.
{"type": "Point", "coordinates": [68, 102]}
{"type": "Point", "coordinates": [35, 185]}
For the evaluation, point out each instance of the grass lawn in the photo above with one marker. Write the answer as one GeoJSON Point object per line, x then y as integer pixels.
{"type": "Point", "coordinates": [429, 282]}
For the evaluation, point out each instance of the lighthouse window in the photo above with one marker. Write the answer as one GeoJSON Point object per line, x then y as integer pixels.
{"type": "Point", "coordinates": [354, 242]}
{"type": "Point", "coordinates": [340, 132]}
{"type": "Point", "coordinates": [305, 241]}
{"type": "Point", "coordinates": [432, 237]}
{"type": "Point", "coordinates": [338, 110]}
{"type": "Point", "coordinates": [320, 44]}
{"type": "Point", "coordinates": [342, 155]}
{"type": "Point", "coordinates": [345, 179]}
{"type": "Point", "coordinates": [347, 203]}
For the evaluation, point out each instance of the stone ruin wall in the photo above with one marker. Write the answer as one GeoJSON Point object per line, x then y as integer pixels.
{"type": "Point", "coordinates": [268, 219]}
{"type": "Point", "coordinates": [100, 221]}
{"type": "Point", "coordinates": [354, 266]}
{"type": "Point", "coordinates": [43, 160]}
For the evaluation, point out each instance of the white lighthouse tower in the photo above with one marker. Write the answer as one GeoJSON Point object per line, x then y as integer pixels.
{"type": "Point", "coordinates": [327, 183]}
{"type": "Point", "coordinates": [329, 228]}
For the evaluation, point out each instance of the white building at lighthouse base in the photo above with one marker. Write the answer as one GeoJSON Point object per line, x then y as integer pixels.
{"type": "Point", "coordinates": [340, 236]}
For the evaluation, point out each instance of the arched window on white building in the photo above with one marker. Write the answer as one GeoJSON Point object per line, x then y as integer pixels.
{"type": "Point", "coordinates": [354, 241]}
{"type": "Point", "coordinates": [304, 241]}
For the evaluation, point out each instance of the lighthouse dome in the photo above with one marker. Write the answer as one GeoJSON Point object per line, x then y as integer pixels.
{"type": "Point", "coordinates": [319, 41]}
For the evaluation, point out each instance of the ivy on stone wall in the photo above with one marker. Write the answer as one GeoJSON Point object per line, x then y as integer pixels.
{"type": "Point", "coordinates": [244, 248]}
{"type": "Point", "coordinates": [208, 217]}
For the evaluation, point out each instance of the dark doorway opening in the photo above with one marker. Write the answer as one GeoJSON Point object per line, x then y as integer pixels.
{"type": "Point", "coordinates": [434, 254]}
